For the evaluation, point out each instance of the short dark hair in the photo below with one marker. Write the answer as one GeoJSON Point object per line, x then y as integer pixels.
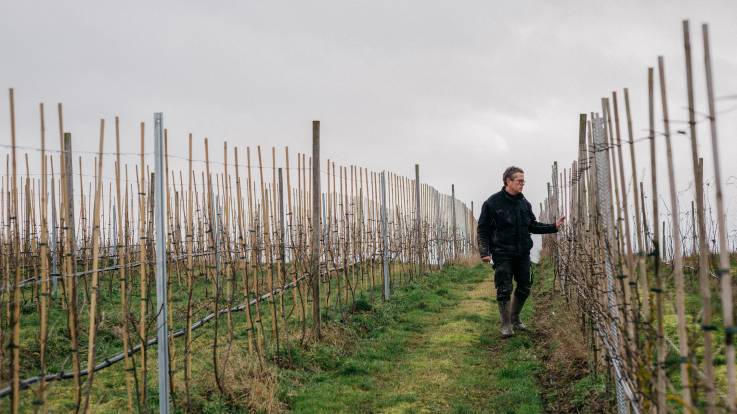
{"type": "Point", "coordinates": [510, 172]}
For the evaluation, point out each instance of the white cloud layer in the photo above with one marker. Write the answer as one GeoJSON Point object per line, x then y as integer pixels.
{"type": "Point", "coordinates": [463, 88]}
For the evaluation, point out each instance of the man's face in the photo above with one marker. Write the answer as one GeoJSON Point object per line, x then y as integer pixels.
{"type": "Point", "coordinates": [516, 184]}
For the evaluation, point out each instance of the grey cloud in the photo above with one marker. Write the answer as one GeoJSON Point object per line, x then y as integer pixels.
{"type": "Point", "coordinates": [463, 88]}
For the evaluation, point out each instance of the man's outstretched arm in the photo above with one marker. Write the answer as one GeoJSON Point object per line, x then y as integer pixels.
{"type": "Point", "coordinates": [535, 227]}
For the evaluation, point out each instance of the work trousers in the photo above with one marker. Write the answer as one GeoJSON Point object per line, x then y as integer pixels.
{"type": "Point", "coordinates": [515, 268]}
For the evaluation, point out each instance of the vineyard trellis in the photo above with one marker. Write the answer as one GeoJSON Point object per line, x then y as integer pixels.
{"type": "Point", "coordinates": [634, 288]}
{"type": "Point", "coordinates": [259, 239]}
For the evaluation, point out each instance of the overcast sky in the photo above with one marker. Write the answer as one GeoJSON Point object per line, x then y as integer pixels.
{"type": "Point", "coordinates": [464, 88]}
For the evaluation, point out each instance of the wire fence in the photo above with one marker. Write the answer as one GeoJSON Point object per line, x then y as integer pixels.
{"type": "Point", "coordinates": [645, 301]}
{"type": "Point", "coordinates": [284, 246]}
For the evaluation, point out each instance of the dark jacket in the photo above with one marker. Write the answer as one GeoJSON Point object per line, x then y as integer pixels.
{"type": "Point", "coordinates": [505, 225]}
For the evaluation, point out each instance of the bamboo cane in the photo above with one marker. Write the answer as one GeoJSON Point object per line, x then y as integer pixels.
{"type": "Point", "coordinates": [121, 242]}
{"type": "Point", "coordinates": [724, 266]}
{"type": "Point", "coordinates": [677, 256]}
{"type": "Point", "coordinates": [706, 323]}
{"type": "Point", "coordinates": [45, 291]}
{"type": "Point", "coordinates": [92, 332]}
{"type": "Point", "coordinates": [15, 266]}
{"type": "Point", "coordinates": [190, 279]}
{"type": "Point", "coordinates": [142, 322]}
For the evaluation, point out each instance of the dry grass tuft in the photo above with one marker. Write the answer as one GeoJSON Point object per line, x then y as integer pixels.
{"type": "Point", "coordinates": [471, 260]}
{"type": "Point", "coordinates": [564, 355]}
{"type": "Point", "coordinates": [251, 384]}
{"type": "Point", "coordinates": [336, 335]}
{"type": "Point", "coordinates": [248, 384]}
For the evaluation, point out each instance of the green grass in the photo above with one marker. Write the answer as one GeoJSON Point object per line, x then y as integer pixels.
{"type": "Point", "coordinates": [109, 393]}
{"type": "Point", "coordinates": [433, 348]}
{"type": "Point", "coordinates": [518, 370]}
{"type": "Point", "coordinates": [587, 388]}
{"type": "Point", "coordinates": [693, 305]}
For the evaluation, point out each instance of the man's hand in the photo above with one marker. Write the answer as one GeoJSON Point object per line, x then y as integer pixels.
{"type": "Point", "coordinates": [560, 222]}
{"type": "Point", "coordinates": [486, 259]}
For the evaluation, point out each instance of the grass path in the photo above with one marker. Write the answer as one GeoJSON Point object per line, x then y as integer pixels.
{"type": "Point", "coordinates": [434, 348]}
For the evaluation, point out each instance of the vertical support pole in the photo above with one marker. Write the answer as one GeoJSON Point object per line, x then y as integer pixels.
{"type": "Point", "coordinates": [453, 212]}
{"type": "Point", "coordinates": [547, 213]}
{"type": "Point", "coordinates": [385, 237]}
{"type": "Point", "coordinates": [115, 230]}
{"type": "Point", "coordinates": [694, 248]}
{"type": "Point", "coordinates": [326, 227]}
{"type": "Point", "coordinates": [161, 275]}
{"type": "Point", "coordinates": [418, 221]}
{"type": "Point", "coordinates": [472, 230]}
{"type": "Point", "coordinates": [315, 246]}
{"type": "Point", "coordinates": [704, 254]}
{"type": "Point", "coordinates": [15, 256]}
{"type": "Point", "coordinates": [555, 211]}
{"type": "Point", "coordinates": [440, 220]}
{"type": "Point", "coordinates": [556, 189]}
{"type": "Point", "coordinates": [724, 266]}
{"type": "Point", "coordinates": [216, 237]}
{"type": "Point", "coordinates": [282, 232]}
{"type": "Point", "coordinates": [54, 238]}
{"type": "Point", "coordinates": [70, 262]}
{"type": "Point", "coordinates": [677, 269]}
{"type": "Point", "coordinates": [604, 202]}
{"type": "Point", "coordinates": [69, 186]}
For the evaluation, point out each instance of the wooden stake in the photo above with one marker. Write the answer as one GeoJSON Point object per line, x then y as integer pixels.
{"type": "Point", "coordinates": [706, 323]}
{"type": "Point", "coordinates": [724, 266]}
{"type": "Point", "coordinates": [122, 261]}
{"type": "Point", "coordinates": [92, 331]}
{"type": "Point", "coordinates": [677, 257]}
{"type": "Point", "coordinates": [315, 246]}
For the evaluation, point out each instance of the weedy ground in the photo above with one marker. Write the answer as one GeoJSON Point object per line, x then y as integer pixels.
{"type": "Point", "coordinates": [435, 347]}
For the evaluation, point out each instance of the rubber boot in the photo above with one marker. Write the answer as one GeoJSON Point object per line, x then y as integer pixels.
{"type": "Point", "coordinates": [506, 319]}
{"type": "Point", "coordinates": [517, 305]}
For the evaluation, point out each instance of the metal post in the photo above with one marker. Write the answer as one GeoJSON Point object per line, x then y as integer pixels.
{"type": "Point", "coordinates": [453, 209]}
{"type": "Point", "coordinates": [418, 221]}
{"type": "Point", "coordinates": [556, 190]}
{"type": "Point", "coordinates": [471, 230]}
{"type": "Point", "coordinates": [384, 236]}
{"type": "Point", "coordinates": [556, 214]}
{"type": "Point", "coordinates": [161, 275]}
{"type": "Point", "coordinates": [439, 222]}
{"type": "Point", "coordinates": [604, 206]}
{"type": "Point", "coordinates": [547, 213]}
{"type": "Point", "coordinates": [315, 245]}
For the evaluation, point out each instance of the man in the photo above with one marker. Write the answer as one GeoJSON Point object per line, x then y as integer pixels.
{"type": "Point", "coordinates": [504, 229]}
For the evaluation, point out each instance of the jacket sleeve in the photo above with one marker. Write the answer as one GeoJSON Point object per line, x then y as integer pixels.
{"type": "Point", "coordinates": [535, 227]}
{"type": "Point", "coordinates": [484, 231]}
